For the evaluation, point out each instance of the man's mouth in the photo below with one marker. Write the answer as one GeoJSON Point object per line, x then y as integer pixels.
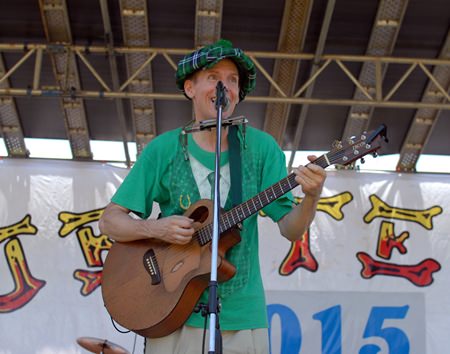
{"type": "Point", "coordinates": [225, 108]}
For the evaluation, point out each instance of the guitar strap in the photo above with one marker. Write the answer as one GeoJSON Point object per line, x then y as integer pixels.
{"type": "Point", "coordinates": [235, 165]}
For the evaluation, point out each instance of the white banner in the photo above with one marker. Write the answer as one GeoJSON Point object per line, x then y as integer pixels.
{"type": "Point", "coordinates": [370, 276]}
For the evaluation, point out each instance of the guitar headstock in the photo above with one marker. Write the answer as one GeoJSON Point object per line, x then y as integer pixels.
{"type": "Point", "coordinates": [345, 153]}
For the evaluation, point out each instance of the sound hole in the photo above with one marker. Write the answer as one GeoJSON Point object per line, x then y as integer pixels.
{"type": "Point", "coordinates": [200, 214]}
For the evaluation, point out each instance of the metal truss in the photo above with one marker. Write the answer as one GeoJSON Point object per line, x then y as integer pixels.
{"type": "Point", "coordinates": [372, 97]}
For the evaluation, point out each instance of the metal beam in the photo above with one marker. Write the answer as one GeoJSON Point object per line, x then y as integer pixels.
{"type": "Point", "coordinates": [425, 119]}
{"type": "Point", "coordinates": [135, 29]}
{"type": "Point", "coordinates": [55, 19]}
{"type": "Point", "coordinates": [291, 40]}
{"type": "Point", "coordinates": [258, 99]}
{"type": "Point", "coordinates": [208, 21]}
{"type": "Point", "coordinates": [10, 126]}
{"type": "Point", "coordinates": [96, 49]}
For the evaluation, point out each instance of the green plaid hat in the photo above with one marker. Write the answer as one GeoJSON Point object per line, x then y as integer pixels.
{"type": "Point", "coordinates": [209, 56]}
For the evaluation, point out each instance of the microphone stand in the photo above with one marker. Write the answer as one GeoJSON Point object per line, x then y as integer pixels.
{"type": "Point", "coordinates": [215, 344]}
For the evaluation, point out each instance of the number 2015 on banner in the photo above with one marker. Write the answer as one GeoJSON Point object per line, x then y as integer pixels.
{"type": "Point", "coordinates": [331, 323]}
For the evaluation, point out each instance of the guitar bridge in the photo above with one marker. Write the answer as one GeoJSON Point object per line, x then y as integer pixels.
{"type": "Point", "coordinates": [151, 265]}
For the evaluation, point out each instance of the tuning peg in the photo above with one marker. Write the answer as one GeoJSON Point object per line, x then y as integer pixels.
{"type": "Point", "coordinates": [374, 154]}
{"type": "Point", "coordinates": [362, 160]}
{"type": "Point", "coordinates": [337, 144]}
{"type": "Point", "coordinates": [351, 140]}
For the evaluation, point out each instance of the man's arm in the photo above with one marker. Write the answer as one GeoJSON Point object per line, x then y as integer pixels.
{"type": "Point", "coordinates": [311, 179]}
{"type": "Point", "coordinates": [120, 226]}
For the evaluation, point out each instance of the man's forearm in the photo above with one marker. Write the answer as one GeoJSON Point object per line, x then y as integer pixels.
{"type": "Point", "coordinates": [118, 225]}
{"type": "Point", "coordinates": [293, 225]}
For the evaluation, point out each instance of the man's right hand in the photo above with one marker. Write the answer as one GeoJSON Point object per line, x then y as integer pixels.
{"type": "Point", "coordinates": [176, 229]}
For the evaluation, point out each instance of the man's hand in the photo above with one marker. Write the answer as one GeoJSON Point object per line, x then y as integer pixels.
{"type": "Point", "coordinates": [311, 178]}
{"type": "Point", "coordinates": [173, 229]}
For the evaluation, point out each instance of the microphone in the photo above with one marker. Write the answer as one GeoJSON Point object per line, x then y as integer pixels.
{"type": "Point", "coordinates": [222, 99]}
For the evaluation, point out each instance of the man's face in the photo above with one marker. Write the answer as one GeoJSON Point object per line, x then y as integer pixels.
{"type": "Point", "coordinates": [201, 88]}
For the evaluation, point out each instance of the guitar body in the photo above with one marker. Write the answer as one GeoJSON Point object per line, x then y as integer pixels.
{"type": "Point", "coordinates": [152, 287]}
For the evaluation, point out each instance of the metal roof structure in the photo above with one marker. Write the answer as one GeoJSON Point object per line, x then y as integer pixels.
{"type": "Point", "coordinates": [87, 70]}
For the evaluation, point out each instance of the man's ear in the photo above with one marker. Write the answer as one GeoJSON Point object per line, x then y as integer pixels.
{"type": "Point", "coordinates": [189, 88]}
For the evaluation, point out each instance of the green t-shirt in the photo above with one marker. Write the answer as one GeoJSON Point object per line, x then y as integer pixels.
{"type": "Point", "coordinates": [163, 175]}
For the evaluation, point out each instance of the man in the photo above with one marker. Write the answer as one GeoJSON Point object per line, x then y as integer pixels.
{"type": "Point", "coordinates": [173, 170]}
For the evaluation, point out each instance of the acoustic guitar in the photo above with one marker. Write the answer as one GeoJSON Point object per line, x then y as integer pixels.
{"type": "Point", "coordinates": [151, 287]}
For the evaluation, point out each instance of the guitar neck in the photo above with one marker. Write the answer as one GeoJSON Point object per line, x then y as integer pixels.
{"type": "Point", "coordinates": [344, 154]}
{"type": "Point", "coordinates": [244, 210]}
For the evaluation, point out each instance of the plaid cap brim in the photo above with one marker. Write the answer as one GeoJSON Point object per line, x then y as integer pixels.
{"type": "Point", "coordinates": [209, 56]}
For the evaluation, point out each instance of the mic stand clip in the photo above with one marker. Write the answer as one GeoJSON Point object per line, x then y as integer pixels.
{"type": "Point", "coordinates": [209, 124]}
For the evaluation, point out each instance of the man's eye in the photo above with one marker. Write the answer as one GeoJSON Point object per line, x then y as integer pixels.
{"type": "Point", "coordinates": [233, 81]}
{"type": "Point", "coordinates": [212, 77]}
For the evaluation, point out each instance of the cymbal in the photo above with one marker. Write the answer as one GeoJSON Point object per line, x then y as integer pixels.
{"type": "Point", "coordinates": [96, 345]}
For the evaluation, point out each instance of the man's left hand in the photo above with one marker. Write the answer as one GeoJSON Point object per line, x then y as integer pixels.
{"type": "Point", "coordinates": [311, 178]}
